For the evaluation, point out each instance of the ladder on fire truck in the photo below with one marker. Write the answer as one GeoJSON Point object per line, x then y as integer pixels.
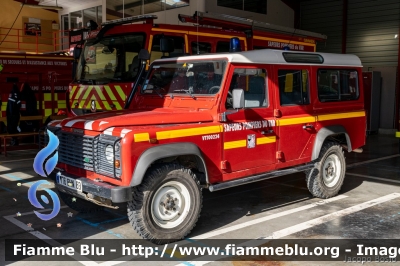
{"type": "Point", "coordinates": [244, 24]}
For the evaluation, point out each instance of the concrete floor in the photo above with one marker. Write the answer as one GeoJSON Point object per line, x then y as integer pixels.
{"type": "Point", "coordinates": [278, 208]}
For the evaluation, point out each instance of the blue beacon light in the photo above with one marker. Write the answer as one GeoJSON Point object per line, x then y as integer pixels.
{"type": "Point", "coordinates": [234, 45]}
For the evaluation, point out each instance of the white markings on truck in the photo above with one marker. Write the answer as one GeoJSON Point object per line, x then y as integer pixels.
{"type": "Point", "coordinates": [210, 137]}
{"type": "Point", "coordinates": [248, 125]}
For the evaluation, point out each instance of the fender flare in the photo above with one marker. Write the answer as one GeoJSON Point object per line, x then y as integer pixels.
{"type": "Point", "coordinates": [164, 151]}
{"type": "Point", "coordinates": [325, 132]}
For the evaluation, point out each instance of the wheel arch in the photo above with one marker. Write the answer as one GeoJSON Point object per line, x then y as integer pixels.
{"type": "Point", "coordinates": [153, 154]}
{"type": "Point", "coordinates": [326, 132]}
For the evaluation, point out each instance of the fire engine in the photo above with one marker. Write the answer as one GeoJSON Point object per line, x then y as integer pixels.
{"type": "Point", "coordinates": [42, 72]}
{"type": "Point", "coordinates": [108, 65]}
{"type": "Point", "coordinates": [213, 122]}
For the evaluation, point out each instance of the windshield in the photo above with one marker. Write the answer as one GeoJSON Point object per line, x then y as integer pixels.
{"type": "Point", "coordinates": [191, 77]}
{"type": "Point", "coordinates": [112, 58]}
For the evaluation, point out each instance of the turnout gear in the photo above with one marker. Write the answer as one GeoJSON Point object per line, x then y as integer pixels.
{"type": "Point", "coordinates": [28, 108]}
{"type": "Point", "coordinates": [12, 111]}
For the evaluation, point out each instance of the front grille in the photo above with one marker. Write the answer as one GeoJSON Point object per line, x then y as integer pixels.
{"type": "Point", "coordinates": [76, 150]}
{"type": "Point", "coordinates": [88, 153]}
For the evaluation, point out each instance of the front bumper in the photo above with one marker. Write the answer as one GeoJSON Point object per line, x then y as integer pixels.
{"type": "Point", "coordinates": [95, 190]}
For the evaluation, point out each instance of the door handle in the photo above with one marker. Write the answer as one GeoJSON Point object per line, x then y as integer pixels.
{"type": "Point", "coordinates": [308, 127]}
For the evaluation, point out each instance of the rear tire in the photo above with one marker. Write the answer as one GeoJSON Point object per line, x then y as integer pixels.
{"type": "Point", "coordinates": [166, 205]}
{"type": "Point", "coordinates": [78, 204]}
{"type": "Point", "coordinates": [326, 178]}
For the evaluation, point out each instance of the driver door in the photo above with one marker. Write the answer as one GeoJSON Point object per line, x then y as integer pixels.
{"type": "Point", "coordinates": [249, 134]}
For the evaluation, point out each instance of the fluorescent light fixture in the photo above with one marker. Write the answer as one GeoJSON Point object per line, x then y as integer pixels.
{"type": "Point", "coordinates": [44, 7]}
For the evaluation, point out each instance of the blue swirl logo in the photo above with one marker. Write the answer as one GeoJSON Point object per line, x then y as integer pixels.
{"type": "Point", "coordinates": [33, 200]}
{"type": "Point", "coordinates": [44, 163]}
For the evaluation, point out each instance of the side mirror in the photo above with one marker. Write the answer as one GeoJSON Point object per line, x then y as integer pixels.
{"type": "Point", "coordinates": [167, 45]}
{"type": "Point", "coordinates": [144, 55]}
{"type": "Point", "coordinates": [77, 52]}
{"type": "Point", "coordinates": [238, 98]}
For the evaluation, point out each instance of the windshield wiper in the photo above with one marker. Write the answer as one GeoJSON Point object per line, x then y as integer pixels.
{"type": "Point", "coordinates": [189, 91]}
{"type": "Point", "coordinates": [86, 81]}
{"type": "Point", "coordinates": [157, 90]}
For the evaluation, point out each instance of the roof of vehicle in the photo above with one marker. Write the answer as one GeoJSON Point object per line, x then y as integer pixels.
{"type": "Point", "coordinates": [270, 56]}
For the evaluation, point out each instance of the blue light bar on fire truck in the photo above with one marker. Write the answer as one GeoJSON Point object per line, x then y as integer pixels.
{"type": "Point", "coordinates": [129, 19]}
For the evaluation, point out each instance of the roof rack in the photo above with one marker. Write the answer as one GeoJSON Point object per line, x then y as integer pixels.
{"type": "Point", "coordinates": [244, 24]}
{"type": "Point", "coordinates": [147, 18]}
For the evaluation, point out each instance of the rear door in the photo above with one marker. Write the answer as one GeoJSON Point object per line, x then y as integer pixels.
{"type": "Point", "coordinates": [295, 118]}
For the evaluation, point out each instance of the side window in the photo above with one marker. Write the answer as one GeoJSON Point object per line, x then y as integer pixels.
{"type": "Point", "coordinates": [201, 47]}
{"type": "Point", "coordinates": [222, 47]}
{"type": "Point", "coordinates": [337, 85]}
{"type": "Point", "coordinates": [253, 82]}
{"type": "Point", "coordinates": [179, 47]}
{"type": "Point", "coordinates": [293, 87]}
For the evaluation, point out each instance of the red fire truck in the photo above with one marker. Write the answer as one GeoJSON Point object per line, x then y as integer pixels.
{"type": "Point", "coordinates": [42, 72]}
{"type": "Point", "coordinates": [214, 122]}
{"type": "Point", "coordinates": [108, 65]}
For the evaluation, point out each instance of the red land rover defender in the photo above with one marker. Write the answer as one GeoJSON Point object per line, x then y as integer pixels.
{"type": "Point", "coordinates": [213, 122]}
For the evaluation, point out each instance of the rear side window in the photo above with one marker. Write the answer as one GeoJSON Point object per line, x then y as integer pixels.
{"type": "Point", "coordinates": [337, 85]}
{"type": "Point", "coordinates": [293, 87]}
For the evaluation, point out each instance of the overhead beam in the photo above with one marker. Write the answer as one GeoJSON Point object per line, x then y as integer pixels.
{"type": "Point", "coordinates": [117, 14]}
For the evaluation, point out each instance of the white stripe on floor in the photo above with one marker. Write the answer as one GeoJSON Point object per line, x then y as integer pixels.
{"type": "Point", "coordinates": [303, 226]}
{"type": "Point", "coordinates": [45, 238]}
{"type": "Point", "coordinates": [267, 218]}
{"type": "Point", "coordinates": [376, 178]}
{"type": "Point", "coordinates": [373, 160]}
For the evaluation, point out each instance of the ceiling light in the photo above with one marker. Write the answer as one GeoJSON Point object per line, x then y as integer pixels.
{"type": "Point", "coordinates": [395, 36]}
{"type": "Point", "coordinates": [44, 7]}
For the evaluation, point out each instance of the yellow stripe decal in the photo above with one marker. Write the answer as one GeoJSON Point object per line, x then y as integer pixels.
{"type": "Point", "coordinates": [72, 90]}
{"type": "Point", "coordinates": [235, 144]}
{"type": "Point", "coordinates": [340, 116]}
{"type": "Point", "coordinates": [88, 90]}
{"type": "Point", "coordinates": [110, 94]}
{"type": "Point", "coordinates": [295, 121]}
{"type": "Point", "coordinates": [99, 93]}
{"type": "Point", "coordinates": [120, 92]}
{"type": "Point", "coordinates": [48, 58]}
{"type": "Point", "coordinates": [166, 30]}
{"type": "Point", "coordinates": [47, 96]}
{"type": "Point", "coordinates": [141, 137]}
{"type": "Point", "coordinates": [80, 90]}
{"type": "Point", "coordinates": [266, 140]}
{"type": "Point", "coordinates": [186, 44]}
{"type": "Point", "coordinates": [188, 132]}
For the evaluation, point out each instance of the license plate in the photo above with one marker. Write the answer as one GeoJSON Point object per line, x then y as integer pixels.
{"type": "Point", "coordinates": [69, 182]}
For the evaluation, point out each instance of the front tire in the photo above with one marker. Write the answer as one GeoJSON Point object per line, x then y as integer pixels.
{"type": "Point", "coordinates": [326, 178]}
{"type": "Point", "coordinates": [167, 205]}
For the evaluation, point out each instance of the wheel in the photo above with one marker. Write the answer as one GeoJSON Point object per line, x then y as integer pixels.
{"type": "Point", "coordinates": [213, 89]}
{"type": "Point", "coordinates": [167, 205]}
{"type": "Point", "coordinates": [78, 204]}
{"type": "Point", "coordinates": [326, 179]}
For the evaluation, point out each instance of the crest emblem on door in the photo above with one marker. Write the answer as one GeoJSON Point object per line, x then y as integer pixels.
{"type": "Point", "coordinates": [251, 141]}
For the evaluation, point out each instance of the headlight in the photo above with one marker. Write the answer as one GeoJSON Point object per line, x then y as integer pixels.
{"type": "Point", "coordinates": [109, 154]}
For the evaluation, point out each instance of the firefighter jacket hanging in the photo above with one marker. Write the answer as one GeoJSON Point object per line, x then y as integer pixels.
{"type": "Point", "coordinates": [12, 111]}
